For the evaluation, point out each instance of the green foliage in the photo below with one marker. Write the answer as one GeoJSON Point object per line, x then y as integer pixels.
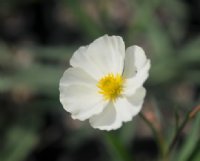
{"type": "Point", "coordinates": [19, 143]}
{"type": "Point", "coordinates": [190, 149]}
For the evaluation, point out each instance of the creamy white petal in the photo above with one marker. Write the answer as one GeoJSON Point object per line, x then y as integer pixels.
{"type": "Point", "coordinates": [81, 59]}
{"type": "Point", "coordinates": [91, 110]}
{"type": "Point", "coordinates": [107, 120]}
{"type": "Point", "coordinates": [76, 76]}
{"type": "Point", "coordinates": [104, 55]}
{"type": "Point", "coordinates": [132, 84]}
{"type": "Point", "coordinates": [82, 101]}
{"type": "Point", "coordinates": [140, 57]}
{"type": "Point", "coordinates": [135, 59]}
{"type": "Point", "coordinates": [109, 53]}
{"type": "Point", "coordinates": [129, 63]}
{"type": "Point", "coordinates": [127, 107]}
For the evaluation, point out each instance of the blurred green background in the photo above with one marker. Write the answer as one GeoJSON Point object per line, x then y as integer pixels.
{"type": "Point", "coordinates": [37, 39]}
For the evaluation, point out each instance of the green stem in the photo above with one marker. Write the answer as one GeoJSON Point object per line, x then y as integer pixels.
{"type": "Point", "coordinates": [157, 135]}
{"type": "Point", "coordinates": [119, 151]}
{"type": "Point", "coordinates": [176, 136]}
{"type": "Point", "coordinates": [188, 117]}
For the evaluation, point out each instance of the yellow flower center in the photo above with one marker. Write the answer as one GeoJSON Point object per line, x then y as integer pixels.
{"type": "Point", "coordinates": [111, 86]}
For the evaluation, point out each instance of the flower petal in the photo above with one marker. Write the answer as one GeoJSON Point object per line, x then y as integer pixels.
{"type": "Point", "coordinates": [76, 76]}
{"type": "Point", "coordinates": [82, 101]}
{"type": "Point", "coordinates": [135, 59]}
{"type": "Point", "coordinates": [80, 59]}
{"type": "Point", "coordinates": [140, 57]}
{"type": "Point", "coordinates": [132, 84]}
{"type": "Point", "coordinates": [127, 107]}
{"type": "Point", "coordinates": [104, 55]}
{"type": "Point", "coordinates": [107, 120]}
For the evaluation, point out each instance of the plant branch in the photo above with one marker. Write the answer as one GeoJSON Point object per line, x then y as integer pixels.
{"type": "Point", "coordinates": [156, 134]}
{"type": "Point", "coordinates": [117, 148]}
{"type": "Point", "coordinates": [188, 117]}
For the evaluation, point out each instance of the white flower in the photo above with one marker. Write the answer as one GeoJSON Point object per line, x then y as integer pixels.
{"type": "Point", "coordinates": [105, 83]}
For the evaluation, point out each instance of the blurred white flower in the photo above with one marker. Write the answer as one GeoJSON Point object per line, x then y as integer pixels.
{"type": "Point", "coordinates": [105, 83]}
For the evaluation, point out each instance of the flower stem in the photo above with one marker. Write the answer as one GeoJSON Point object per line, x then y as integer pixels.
{"type": "Point", "coordinates": [176, 136]}
{"type": "Point", "coordinates": [157, 135]}
{"type": "Point", "coordinates": [120, 153]}
{"type": "Point", "coordinates": [188, 117]}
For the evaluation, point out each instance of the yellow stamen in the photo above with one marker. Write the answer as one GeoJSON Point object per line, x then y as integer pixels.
{"type": "Point", "coordinates": [111, 86]}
